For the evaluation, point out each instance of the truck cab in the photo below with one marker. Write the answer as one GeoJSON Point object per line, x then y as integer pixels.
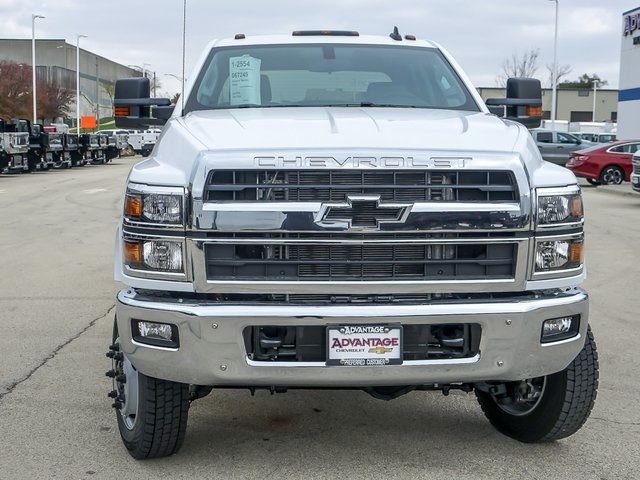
{"type": "Point", "coordinates": [92, 147]}
{"type": "Point", "coordinates": [14, 146]}
{"type": "Point", "coordinates": [54, 155]}
{"type": "Point", "coordinates": [332, 210]}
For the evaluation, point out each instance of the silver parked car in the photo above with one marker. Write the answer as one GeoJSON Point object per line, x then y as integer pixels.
{"type": "Point", "coordinates": [556, 147]}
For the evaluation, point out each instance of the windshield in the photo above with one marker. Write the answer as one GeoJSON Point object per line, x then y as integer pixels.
{"type": "Point", "coordinates": [328, 75]}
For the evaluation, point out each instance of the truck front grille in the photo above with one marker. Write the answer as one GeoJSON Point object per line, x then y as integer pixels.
{"type": "Point", "coordinates": [367, 261]}
{"type": "Point", "coordinates": [336, 185]}
{"type": "Point", "coordinates": [636, 167]}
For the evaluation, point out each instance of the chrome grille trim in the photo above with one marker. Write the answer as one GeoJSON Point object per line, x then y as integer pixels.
{"type": "Point", "coordinates": [279, 185]}
{"type": "Point", "coordinates": [244, 221]}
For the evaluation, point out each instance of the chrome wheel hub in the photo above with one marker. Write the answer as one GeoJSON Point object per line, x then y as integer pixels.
{"type": "Point", "coordinates": [126, 386]}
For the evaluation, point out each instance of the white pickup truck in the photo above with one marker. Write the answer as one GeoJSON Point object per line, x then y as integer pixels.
{"type": "Point", "coordinates": [333, 210]}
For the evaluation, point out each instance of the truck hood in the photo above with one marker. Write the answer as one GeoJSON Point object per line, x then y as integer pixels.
{"type": "Point", "coordinates": [351, 127]}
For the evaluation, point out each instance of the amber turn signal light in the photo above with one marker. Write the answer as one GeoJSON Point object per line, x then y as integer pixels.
{"type": "Point", "coordinates": [133, 206]}
{"type": "Point", "coordinates": [577, 210]}
{"type": "Point", "coordinates": [121, 111]}
{"type": "Point", "coordinates": [534, 111]}
{"type": "Point", "coordinates": [132, 253]}
{"type": "Point", "coordinates": [576, 251]}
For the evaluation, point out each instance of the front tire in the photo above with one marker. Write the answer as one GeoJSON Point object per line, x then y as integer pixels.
{"type": "Point", "coordinates": [154, 424]}
{"type": "Point", "coordinates": [564, 404]}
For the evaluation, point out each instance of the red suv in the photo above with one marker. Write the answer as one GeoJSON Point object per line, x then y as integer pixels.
{"type": "Point", "coordinates": [608, 164]}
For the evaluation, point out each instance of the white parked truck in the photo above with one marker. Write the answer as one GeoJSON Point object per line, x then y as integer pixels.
{"type": "Point", "coordinates": [14, 146]}
{"type": "Point", "coordinates": [331, 210]}
{"type": "Point", "coordinates": [142, 142]}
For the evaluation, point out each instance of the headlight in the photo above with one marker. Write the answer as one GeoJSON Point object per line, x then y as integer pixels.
{"type": "Point", "coordinates": [159, 205]}
{"type": "Point", "coordinates": [558, 254]}
{"type": "Point", "coordinates": [154, 255]}
{"type": "Point", "coordinates": [559, 206]}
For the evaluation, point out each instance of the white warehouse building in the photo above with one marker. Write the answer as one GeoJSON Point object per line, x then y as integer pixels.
{"type": "Point", "coordinates": [629, 94]}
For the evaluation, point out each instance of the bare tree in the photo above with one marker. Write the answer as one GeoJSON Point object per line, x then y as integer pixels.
{"type": "Point", "coordinates": [563, 71]}
{"type": "Point", "coordinates": [110, 89]}
{"type": "Point", "coordinates": [525, 65]}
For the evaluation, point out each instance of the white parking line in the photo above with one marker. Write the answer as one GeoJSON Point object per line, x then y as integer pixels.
{"type": "Point", "coordinates": [91, 191]}
{"type": "Point", "coordinates": [2, 190]}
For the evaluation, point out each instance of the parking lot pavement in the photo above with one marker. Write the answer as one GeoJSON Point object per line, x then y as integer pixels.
{"type": "Point", "coordinates": [56, 259]}
{"type": "Point", "coordinates": [57, 234]}
{"type": "Point", "coordinates": [624, 189]}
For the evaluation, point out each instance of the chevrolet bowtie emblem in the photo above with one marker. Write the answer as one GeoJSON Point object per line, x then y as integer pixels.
{"type": "Point", "coordinates": [380, 350]}
{"type": "Point", "coordinates": [362, 212]}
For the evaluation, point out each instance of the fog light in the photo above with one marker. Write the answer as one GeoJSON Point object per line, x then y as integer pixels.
{"type": "Point", "coordinates": [154, 333]}
{"type": "Point", "coordinates": [556, 329]}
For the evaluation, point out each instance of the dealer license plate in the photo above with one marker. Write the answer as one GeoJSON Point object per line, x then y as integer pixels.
{"type": "Point", "coordinates": [364, 345]}
{"type": "Point", "coordinates": [636, 180]}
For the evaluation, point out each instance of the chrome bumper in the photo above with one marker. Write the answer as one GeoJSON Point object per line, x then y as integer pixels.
{"type": "Point", "coordinates": [212, 350]}
{"type": "Point", "coordinates": [635, 182]}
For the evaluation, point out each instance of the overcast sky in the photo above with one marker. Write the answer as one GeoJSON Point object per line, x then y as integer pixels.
{"type": "Point", "coordinates": [479, 33]}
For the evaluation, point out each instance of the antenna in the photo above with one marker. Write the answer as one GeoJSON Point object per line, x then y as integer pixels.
{"type": "Point", "coordinates": [184, 44]}
{"type": "Point", "coordinates": [395, 34]}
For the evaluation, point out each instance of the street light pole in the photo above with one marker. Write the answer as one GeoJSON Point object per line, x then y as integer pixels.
{"type": "Point", "coordinates": [78, 37]}
{"type": "Point", "coordinates": [595, 91]}
{"type": "Point", "coordinates": [33, 63]}
{"type": "Point", "coordinates": [177, 77]}
{"type": "Point", "coordinates": [554, 76]}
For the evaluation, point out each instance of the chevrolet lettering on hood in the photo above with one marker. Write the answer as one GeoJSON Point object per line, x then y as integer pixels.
{"type": "Point", "coordinates": [359, 162]}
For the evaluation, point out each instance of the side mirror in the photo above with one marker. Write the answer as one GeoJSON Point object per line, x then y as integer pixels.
{"type": "Point", "coordinates": [523, 103]}
{"type": "Point", "coordinates": [132, 105]}
{"type": "Point", "coordinates": [496, 110]}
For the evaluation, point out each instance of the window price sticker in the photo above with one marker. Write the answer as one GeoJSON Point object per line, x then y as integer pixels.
{"type": "Point", "coordinates": [244, 80]}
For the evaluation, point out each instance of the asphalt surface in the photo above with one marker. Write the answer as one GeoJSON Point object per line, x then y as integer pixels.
{"type": "Point", "coordinates": [56, 302]}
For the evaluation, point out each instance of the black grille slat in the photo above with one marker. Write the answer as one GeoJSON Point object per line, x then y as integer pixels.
{"type": "Point", "coordinates": [337, 185]}
{"type": "Point", "coordinates": [361, 262]}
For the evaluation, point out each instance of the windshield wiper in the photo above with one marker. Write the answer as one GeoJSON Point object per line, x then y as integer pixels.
{"type": "Point", "coordinates": [366, 104]}
{"type": "Point", "coordinates": [388, 105]}
{"type": "Point", "coordinates": [361, 104]}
